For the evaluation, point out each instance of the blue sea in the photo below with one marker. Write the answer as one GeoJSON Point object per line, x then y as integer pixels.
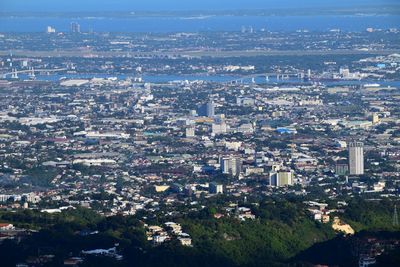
{"type": "Point", "coordinates": [203, 23]}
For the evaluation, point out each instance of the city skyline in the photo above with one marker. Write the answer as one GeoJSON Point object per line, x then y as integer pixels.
{"type": "Point", "coordinates": [199, 133]}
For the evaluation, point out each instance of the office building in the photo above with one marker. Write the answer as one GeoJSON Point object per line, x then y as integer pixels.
{"type": "Point", "coordinates": [231, 166]}
{"type": "Point", "coordinates": [190, 131]}
{"type": "Point", "coordinates": [375, 118]}
{"type": "Point", "coordinates": [245, 101]}
{"type": "Point", "coordinates": [281, 178]}
{"type": "Point", "coordinates": [356, 158]}
{"type": "Point", "coordinates": [344, 72]}
{"type": "Point", "coordinates": [207, 109]}
{"type": "Point", "coordinates": [50, 29]}
{"type": "Point", "coordinates": [75, 27]}
{"type": "Point", "coordinates": [341, 169]}
{"type": "Point", "coordinates": [219, 128]}
{"type": "Point", "coordinates": [210, 109]}
{"type": "Point", "coordinates": [215, 188]}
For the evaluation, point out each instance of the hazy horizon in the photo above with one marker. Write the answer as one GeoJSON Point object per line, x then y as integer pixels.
{"type": "Point", "coordinates": [160, 5]}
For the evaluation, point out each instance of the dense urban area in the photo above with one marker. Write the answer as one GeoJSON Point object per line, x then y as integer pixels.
{"type": "Point", "coordinates": [245, 148]}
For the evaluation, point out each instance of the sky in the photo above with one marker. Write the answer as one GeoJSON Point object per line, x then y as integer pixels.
{"type": "Point", "coordinates": [162, 5]}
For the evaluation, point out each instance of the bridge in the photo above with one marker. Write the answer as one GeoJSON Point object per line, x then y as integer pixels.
{"type": "Point", "coordinates": [278, 75]}
{"type": "Point", "coordinates": [31, 72]}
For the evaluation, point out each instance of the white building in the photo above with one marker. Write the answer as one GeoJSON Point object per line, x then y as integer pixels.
{"type": "Point", "coordinates": [190, 132]}
{"type": "Point", "coordinates": [6, 226]}
{"type": "Point", "coordinates": [219, 128]}
{"type": "Point", "coordinates": [281, 178]}
{"type": "Point", "coordinates": [50, 29]}
{"type": "Point", "coordinates": [231, 166]}
{"type": "Point", "coordinates": [233, 145]}
{"type": "Point", "coordinates": [215, 188]}
{"type": "Point", "coordinates": [356, 158]}
{"type": "Point", "coordinates": [210, 109]}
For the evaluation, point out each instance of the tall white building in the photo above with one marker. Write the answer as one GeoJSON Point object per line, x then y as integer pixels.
{"type": "Point", "coordinates": [356, 158]}
{"type": "Point", "coordinates": [210, 109]}
{"type": "Point", "coordinates": [231, 166]}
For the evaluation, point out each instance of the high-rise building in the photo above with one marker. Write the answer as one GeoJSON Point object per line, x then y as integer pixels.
{"type": "Point", "coordinates": [341, 169]}
{"type": "Point", "coordinates": [281, 178]}
{"type": "Point", "coordinates": [375, 118]}
{"type": "Point", "coordinates": [215, 188]}
{"type": "Point", "coordinates": [207, 109]}
{"type": "Point", "coordinates": [210, 108]}
{"type": "Point", "coordinates": [231, 166]}
{"type": "Point", "coordinates": [356, 158]}
{"type": "Point", "coordinates": [75, 27]}
{"type": "Point", "coordinates": [50, 29]}
{"type": "Point", "coordinates": [237, 166]}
